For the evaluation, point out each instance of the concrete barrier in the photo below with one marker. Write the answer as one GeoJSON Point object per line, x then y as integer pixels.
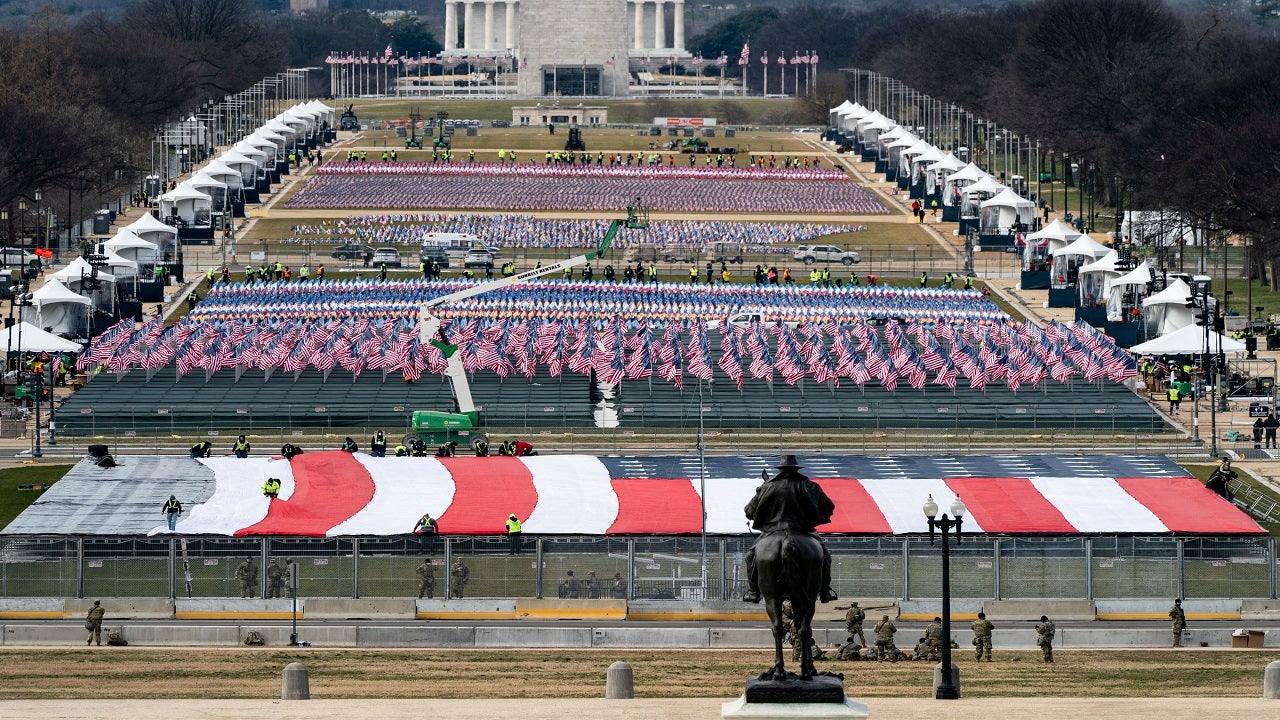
{"type": "Point", "coordinates": [237, 609]}
{"type": "Point", "coordinates": [533, 637]}
{"type": "Point", "coordinates": [707, 610]}
{"type": "Point", "coordinates": [740, 638]}
{"type": "Point", "coordinates": [556, 609]}
{"type": "Point", "coordinates": [436, 609]}
{"type": "Point", "coordinates": [46, 634]}
{"type": "Point", "coordinates": [415, 636]}
{"type": "Point", "coordinates": [666, 637]}
{"type": "Point", "coordinates": [317, 635]}
{"type": "Point", "coordinates": [1260, 610]}
{"type": "Point", "coordinates": [1159, 609]}
{"type": "Point", "coordinates": [32, 609]}
{"type": "Point", "coordinates": [827, 612]}
{"type": "Point", "coordinates": [124, 608]}
{"type": "Point", "coordinates": [1057, 610]}
{"type": "Point", "coordinates": [362, 608]}
{"type": "Point", "coordinates": [961, 609]}
{"type": "Point", "coordinates": [181, 635]}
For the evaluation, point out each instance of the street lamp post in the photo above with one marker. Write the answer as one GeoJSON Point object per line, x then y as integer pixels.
{"type": "Point", "coordinates": [947, 688]}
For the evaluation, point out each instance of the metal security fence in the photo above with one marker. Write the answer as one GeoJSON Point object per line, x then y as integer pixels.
{"type": "Point", "coordinates": [638, 568]}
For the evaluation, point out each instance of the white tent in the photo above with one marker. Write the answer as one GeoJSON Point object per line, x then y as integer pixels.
{"type": "Point", "coordinates": [150, 229]}
{"type": "Point", "coordinates": [1167, 310]}
{"type": "Point", "coordinates": [121, 267]}
{"type": "Point", "coordinates": [1124, 294]}
{"type": "Point", "coordinates": [833, 115]}
{"type": "Point", "coordinates": [25, 337]}
{"type": "Point", "coordinates": [211, 186]}
{"type": "Point", "coordinates": [1093, 278]}
{"type": "Point", "coordinates": [1068, 260]}
{"type": "Point", "coordinates": [1002, 212]}
{"type": "Point", "coordinates": [1188, 341]}
{"type": "Point", "coordinates": [77, 271]}
{"type": "Point", "coordinates": [922, 161]}
{"type": "Point", "coordinates": [1042, 243]}
{"type": "Point", "coordinates": [130, 246]}
{"type": "Point", "coordinates": [187, 203]}
{"type": "Point", "coordinates": [58, 309]}
{"type": "Point", "coordinates": [848, 122]}
{"type": "Point", "coordinates": [224, 173]}
{"type": "Point", "coordinates": [958, 180]}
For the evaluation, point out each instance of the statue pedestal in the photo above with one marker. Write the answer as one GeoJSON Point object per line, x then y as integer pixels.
{"type": "Point", "coordinates": [822, 698]}
{"type": "Point", "coordinates": [845, 710]}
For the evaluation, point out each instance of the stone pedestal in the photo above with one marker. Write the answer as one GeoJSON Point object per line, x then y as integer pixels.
{"type": "Point", "coordinates": [294, 683]}
{"type": "Point", "coordinates": [1271, 681]}
{"type": "Point", "coordinates": [822, 698]}
{"type": "Point", "coordinates": [937, 678]}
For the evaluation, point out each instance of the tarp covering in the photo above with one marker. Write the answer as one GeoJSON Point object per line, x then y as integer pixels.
{"type": "Point", "coordinates": [333, 493]}
{"type": "Point", "coordinates": [1188, 341]}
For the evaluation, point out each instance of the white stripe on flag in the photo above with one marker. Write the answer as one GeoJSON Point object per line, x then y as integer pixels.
{"type": "Point", "coordinates": [575, 495]}
{"type": "Point", "coordinates": [902, 502]}
{"type": "Point", "coordinates": [1097, 504]}
{"type": "Point", "coordinates": [403, 489]}
{"type": "Point", "coordinates": [237, 501]}
{"type": "Point", "coordinates": [727, 499]}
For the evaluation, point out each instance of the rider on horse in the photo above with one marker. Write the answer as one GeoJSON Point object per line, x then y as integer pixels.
{"type": "Point", "coordinates": [789, 501]}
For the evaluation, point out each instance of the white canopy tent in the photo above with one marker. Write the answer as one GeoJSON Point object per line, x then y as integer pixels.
{"type": "Point", "coordinates": [57, 309]}
{"type": "Point", "coordinates": [1188, 340]}
{"type": "Point", "coordinates": [211, 186]}
{"type": "Point", "coordinates": [246, 166]}
{"type": "Point", "coordinates": [848, 123]}
{"type": "Point", "coordinates": [131, 247]}
{"type": "Point", "coordinates": [1093, 277]}
{"type": "Point", "coordinates": [908, 156]}
{"type": "Point", "coordinates": [187, 203]}
{"type": "Point", "coordinates": [833, 115]}
{"type": "Point", "coordinates": [1124, 294]}
{"type": "Point", "coordinates": [1068, 260]}
{"type": "Point", "coordinates": [1167, 310]}
{"type": "Point", "coordinates": [78, 272]}
{"type": "Point", "coordinates": [1041, 243]}
{"type": "Point", "coordinates": [1004, 211]}
{"type": "Point", "coordinates": [25, 337]}
{"type": "Point", "coordinates": [922, 161]}
{"type": "Point", "coordinates": [219, 170]}
{"type": "Point", "coordinates": [958, 180]}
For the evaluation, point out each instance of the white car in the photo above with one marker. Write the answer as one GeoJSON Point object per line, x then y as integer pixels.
{"type": "Point", "coordinates": [810, 254]}
{"type": "Point", "coordinates": [477, 259]}
{"type": "Point", "coordinates": [17, 257]}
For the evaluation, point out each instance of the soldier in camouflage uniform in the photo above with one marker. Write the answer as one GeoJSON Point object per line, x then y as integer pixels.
{"type": "Point", "coordinates": [850, 650]}
{"type": "Point", "coordinates": [885, 649]}
{"type": "Point", "coordinates": [427, 582]}
{"type": "Point", "coordinates": [247, 574]}
{"type": "Point", "coordinates": [458, 578]}
{"type": "Point", "coordinates": [275, 580]}
{"type": "Point", "coordinates": [789, 629]}
{"type": "Point", "coordinates": [1179, 619]}
{"type": "Point", "coordinates": [982, 628]}
{"type": "Point", "coordinates": [1045, 631]}
{"type": "Point", "coordinates": [933, 635]}
{"type": "Point", "coordinates": [853, 619]}
{"type": "Point", "coordinates": [921, 651]}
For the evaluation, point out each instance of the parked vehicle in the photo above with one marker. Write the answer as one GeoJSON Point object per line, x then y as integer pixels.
{"type": "Point", "coordinates": [17, 257]}
{"type": "Point", "coordinates": [386, 256]}
{"type": "Point", "coordinates": [478, 259]}
{"type": "Point", "coordinates": [352, 252]}
{"type": "Point", "coordinates": [435, 254]}
{"type": "Point", "coordinates": [810, 254]}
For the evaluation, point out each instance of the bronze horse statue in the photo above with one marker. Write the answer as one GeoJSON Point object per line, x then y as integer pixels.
{"type": "Point", "coordinates": [789, 561]}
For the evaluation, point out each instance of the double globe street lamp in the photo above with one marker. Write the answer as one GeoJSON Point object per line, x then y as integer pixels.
{"type": "Point", "coordinates": [947, 687]}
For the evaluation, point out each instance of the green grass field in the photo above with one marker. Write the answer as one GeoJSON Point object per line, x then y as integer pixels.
{"type": "Point", "coordinates": [14, 500]}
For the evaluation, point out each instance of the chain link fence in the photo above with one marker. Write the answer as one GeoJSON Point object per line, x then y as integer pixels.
{"type": "Point", "coordinates": [638, 568]}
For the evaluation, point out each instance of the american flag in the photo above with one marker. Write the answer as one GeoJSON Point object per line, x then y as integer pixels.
{"type": "Point", "coordinates": [672, 368]}
{"type": "Point", "coordinates": [761, 366]}
{"type": "Point", "coordinates": [698, 352]}
{"type": "Point", "coordinates": [731, 352]}
{"type": "Point", "coordinates": [386, 54]}
{"type": "Point", "coordinates": [745, 57]}
{"type": "Point", "coordinates": [788, 363]}
{"type": "Point", "coordinates": [764, 58]}
{"type": "Point", "coordinates": [580, 359]}
{"type": "Point", "coordinates": [722, 60]}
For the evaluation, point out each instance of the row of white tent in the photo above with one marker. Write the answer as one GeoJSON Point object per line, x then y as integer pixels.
{"type": "Point", "coordinates": [210, 188]}
{"type": "Point", "coordinates": [975, 191]}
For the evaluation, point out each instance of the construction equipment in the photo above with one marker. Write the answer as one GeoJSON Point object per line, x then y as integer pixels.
{"type": "Point", "coordinates": [349, 121]}
{"type": "Point", "coordinates": [575, 142]}
{"type": "Point", "coordinates": [435, 427]}
{"type": "Point", "coordinates": [413, 141]}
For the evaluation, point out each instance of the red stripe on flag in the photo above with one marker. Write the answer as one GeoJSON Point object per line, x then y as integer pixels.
{"type": "Point", "coordinates": [856, 511]}
{"type": "Point", "coordinates": [1185, 505]}
{"type": "Point", "coordinates": [486, 491]}
{"type": "Point", "coordinates": [328, 488]}
{"type": "Point", "coordinates": [659, 506]}
{"type": "Point", "coordinates": [1008, 505]}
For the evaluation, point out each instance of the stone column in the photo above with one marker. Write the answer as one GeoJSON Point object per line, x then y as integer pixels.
{"type": "Point", "coordinates": [509, 42]}
{"type": "Point", "coordinates": [450, 25]}
{"type": "Point", "coordinates": [638, 43]}
{"type": "Point", "coordinates": [488, 25]}
{"type": "Point", "coordinates": [659, 25]}
{"type": "Point", "coordinates": [468, 25]}
{"type": "Point", "coordinates": [678, 10]}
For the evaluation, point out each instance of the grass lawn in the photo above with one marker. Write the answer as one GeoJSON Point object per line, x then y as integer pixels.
{"type": "Point", "coordinates": [12, 500]}
{"type": "Point", "coordinates": [463, 673]}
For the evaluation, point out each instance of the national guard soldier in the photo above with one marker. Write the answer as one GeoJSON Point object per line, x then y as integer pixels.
{"type": "Point", "coordinates": [427, 579]}
{"type": "Point", "coordinates": [982, 628]}
{"type": "Point", "coordinates": [850, 650]}
{"type": "Point", "coordinates": [247, 574]}
{"type": "Point", "coordinates": [458, 577]}
{"type": "Point", "coordinates": [1179, 619]}
{"type": "Point", "coordinates": [286, 576]}
{"type": "Point", "coordinates": [933, 634]}
{"type": "Point", "coordinates": [853, 619]}
{"type": "Point", "coordinates": [619, 587]}
{"type": "Point", "coordinates": [885, 649]}
{"type": "Point", "coordinates": [921, 651]}
{"type": "Point", "coordinates": [1045, 631]}
{"type": "Point", "coordinates": [93, 622]}
{"type": "Point", "coordinates": [275, 585]}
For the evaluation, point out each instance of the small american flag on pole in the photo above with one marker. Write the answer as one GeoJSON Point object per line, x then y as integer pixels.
{"type": "Point", "coordinates": [745, 57]}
